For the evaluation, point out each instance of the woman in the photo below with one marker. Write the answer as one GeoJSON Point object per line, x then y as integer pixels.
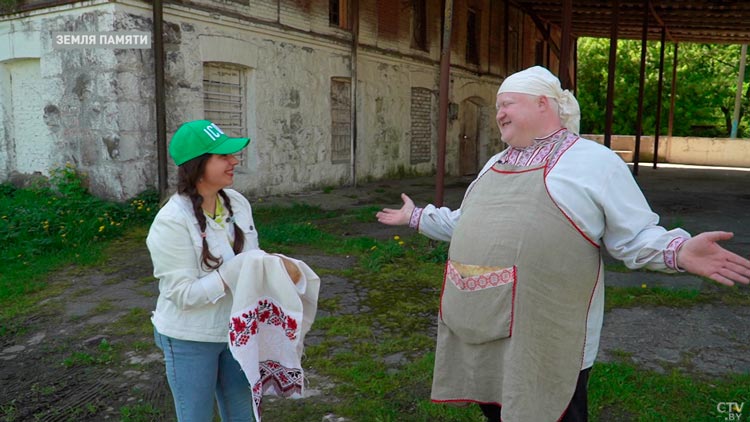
{"type": "Point", "coordinates": [201, 227]}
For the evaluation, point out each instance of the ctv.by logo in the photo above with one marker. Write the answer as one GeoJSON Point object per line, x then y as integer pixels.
{"type": "Point", "coordinates": [732, 411]}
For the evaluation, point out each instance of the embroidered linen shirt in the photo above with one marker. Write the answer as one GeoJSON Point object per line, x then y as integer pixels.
{"type": "Point", "coordinates": [596, 190]}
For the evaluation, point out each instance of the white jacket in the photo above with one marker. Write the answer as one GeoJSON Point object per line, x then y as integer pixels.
{"type": "Point", "coordinates": [192, 303]}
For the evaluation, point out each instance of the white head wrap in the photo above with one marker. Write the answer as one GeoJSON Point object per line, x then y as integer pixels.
{"type": "Point", "coordinates": [540, 81]}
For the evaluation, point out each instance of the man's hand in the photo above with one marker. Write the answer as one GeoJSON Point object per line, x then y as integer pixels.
{"type": "Point", "coordinates": [400, 217]}
{"type": "Point", "coordinates": [703, 256]}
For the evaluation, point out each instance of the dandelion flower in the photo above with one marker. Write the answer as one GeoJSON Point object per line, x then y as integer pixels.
{"type": "Point", "coordinates": [401, 243]}
{"type": "Point", "coordinates": [397, 237]}
{"type": "Point", "coordinates": [643, 286]}
{"type": "Point", "coordinates": [101, 229]}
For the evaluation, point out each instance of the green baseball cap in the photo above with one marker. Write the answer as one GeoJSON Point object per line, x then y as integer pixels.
{"type": "Point", "coordinates": [199, 137]}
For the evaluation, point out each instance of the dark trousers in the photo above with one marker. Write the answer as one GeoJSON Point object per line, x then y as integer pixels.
{"type": "Point", "coordinates": [577, 410]}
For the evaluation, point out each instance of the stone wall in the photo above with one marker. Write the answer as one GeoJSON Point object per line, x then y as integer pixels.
{"type": "Point", "coordinates": [95, 107]}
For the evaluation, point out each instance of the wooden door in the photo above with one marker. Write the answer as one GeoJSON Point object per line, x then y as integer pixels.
{"type": "Point", "coordinates": [469, 138]}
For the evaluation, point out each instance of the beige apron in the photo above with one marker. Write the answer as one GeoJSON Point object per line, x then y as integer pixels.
{"type": "Point", "coordinates": [515, 300]}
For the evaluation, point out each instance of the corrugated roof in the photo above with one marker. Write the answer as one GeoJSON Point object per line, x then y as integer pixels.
{"type": "Point", "coordinates": [701, 21]}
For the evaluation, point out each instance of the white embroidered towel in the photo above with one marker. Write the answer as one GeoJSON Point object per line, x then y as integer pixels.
{"type": "Point", "coordinates": [269, 320]}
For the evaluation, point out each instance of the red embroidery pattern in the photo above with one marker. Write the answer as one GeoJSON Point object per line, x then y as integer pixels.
{"type": "Point", "coordinates": [482, 281]}
{"type": "Point", "coordinates": [286, 381]}
{"type": "Point", "coordinates": [670, 253]}
{"type": "Point", "coordinates": [567, 142]}
{"type": "Point", "coordinates": [541, 151]}
{"type": "Point", "coordinates": [242, 328]}
{"type": "Point", "coordinates": [416, 215]}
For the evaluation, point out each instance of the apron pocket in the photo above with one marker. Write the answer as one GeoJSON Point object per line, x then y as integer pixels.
{"type": "Point", "coordinates": [478, 306]}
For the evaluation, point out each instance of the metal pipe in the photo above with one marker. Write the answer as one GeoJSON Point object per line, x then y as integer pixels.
{"type": "Point", "coordinates": [738, 98]}
{"type": "Point", "coordinates": [506, 36]}
{"type": "Point", "coordinates": [161, 114]}
{"type": "Point", "coordinates": [659, 95]}
{"type": "Point", "coordinates": [641, 86]}
{"type": "Point", "coordinates": [445, 68]}
{"type": "Point", "coordinates": [612, 68]}
{"type": "Point", "coordinates": [567, 24]}
{"type": "Point", "coordinates": [674, 90]}
{"type": "Point", "coordinates": [354, 89]}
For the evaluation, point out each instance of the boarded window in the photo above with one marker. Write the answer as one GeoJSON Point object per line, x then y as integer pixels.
{"type": "Point", "coordinates": [419, 24]}
{"type": "Point", "coordinates": [338, 14]}
{"type": "Point", "coordinates": [472, 37]}
{"type": "Point", "coordinates": [421, 126]}
{"type": "Point", "coordinates": [389, 12]}
{"type": "Point", "coordinates": [224, 93]}
{"type": "Point", "coordinates": [341, 120]}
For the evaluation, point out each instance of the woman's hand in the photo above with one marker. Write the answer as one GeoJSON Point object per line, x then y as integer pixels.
{"type": "Point", "coordinates": [291, 269]}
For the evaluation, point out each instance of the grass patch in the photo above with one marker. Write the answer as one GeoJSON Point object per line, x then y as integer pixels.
{"type": "Point", "coordinates": [617, 390]}
{"type": "Point", "coordinates": [136, 322]}
{"type": "Point", "coordinates": [103, 355]}
{"type": "Point", "coordinates": [52, 223]}
{"type": "Point", "coordinates": [142, 412]}
{"type": "Point", "coordinates": [629, 297]}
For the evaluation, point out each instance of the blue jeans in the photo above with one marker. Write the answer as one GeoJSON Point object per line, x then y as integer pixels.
{"type": "Point", "coordinates": [197, 371]}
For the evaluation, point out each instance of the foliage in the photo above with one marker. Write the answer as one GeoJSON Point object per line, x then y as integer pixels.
{"type": "Point", "coordinates": [58, 221]}
{"type": "Point", "coordinates": [705, 91]}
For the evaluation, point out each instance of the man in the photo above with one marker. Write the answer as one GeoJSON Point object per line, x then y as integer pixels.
{"type": "Point", "coordinates": [523, 297]}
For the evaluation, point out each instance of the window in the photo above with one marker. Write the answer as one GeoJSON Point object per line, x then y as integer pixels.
{"type": "Point", "coordinates": [224, 93]}
{"type": "Point", "coordinates": [472, 37]}
{"type": "Point", "coordinates": [341, 120]}
{"type": "Point", "coordinates": [421, 125]}
{"type": "Point", "coordinates": [419, 24]}
{"type": "Point", "coordinates": [338, 13]}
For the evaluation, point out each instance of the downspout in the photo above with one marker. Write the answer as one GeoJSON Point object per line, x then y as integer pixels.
{"type": "Point", "coordinates": [445, 69]}
{"type": "Point", "coordinates": [161, 116]}
{"type": "Point", "coordinates": [353, 108]}
{"type": "Point", "coordinates": [738, 98]}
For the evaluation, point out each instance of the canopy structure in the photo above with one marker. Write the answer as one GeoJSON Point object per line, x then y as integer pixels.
{"type": "Point", "coordinates": [676, 21]}
{"type": "Point", "coordinates": [698, 21]}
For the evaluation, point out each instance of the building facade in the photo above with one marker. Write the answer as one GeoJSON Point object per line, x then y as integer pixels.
{"type": "Point", "coordinates": [329, 91]}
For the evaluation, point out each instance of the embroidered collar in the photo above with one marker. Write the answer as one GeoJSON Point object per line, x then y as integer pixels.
{"type": "Point", "coordinates": [539, 151]}
{"type": "Point", "coordinates": [552, 138]}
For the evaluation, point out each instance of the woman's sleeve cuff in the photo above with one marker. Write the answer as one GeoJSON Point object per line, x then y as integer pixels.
{"type": "Point", "coordinates": [213, 286]}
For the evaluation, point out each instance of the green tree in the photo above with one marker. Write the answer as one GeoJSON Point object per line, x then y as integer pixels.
{"type": "Point", "coordinates": [704, 99]}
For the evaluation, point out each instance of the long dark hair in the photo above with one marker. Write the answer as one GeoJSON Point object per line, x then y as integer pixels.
{"type": "Point", "coordinates": [188, 175]}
